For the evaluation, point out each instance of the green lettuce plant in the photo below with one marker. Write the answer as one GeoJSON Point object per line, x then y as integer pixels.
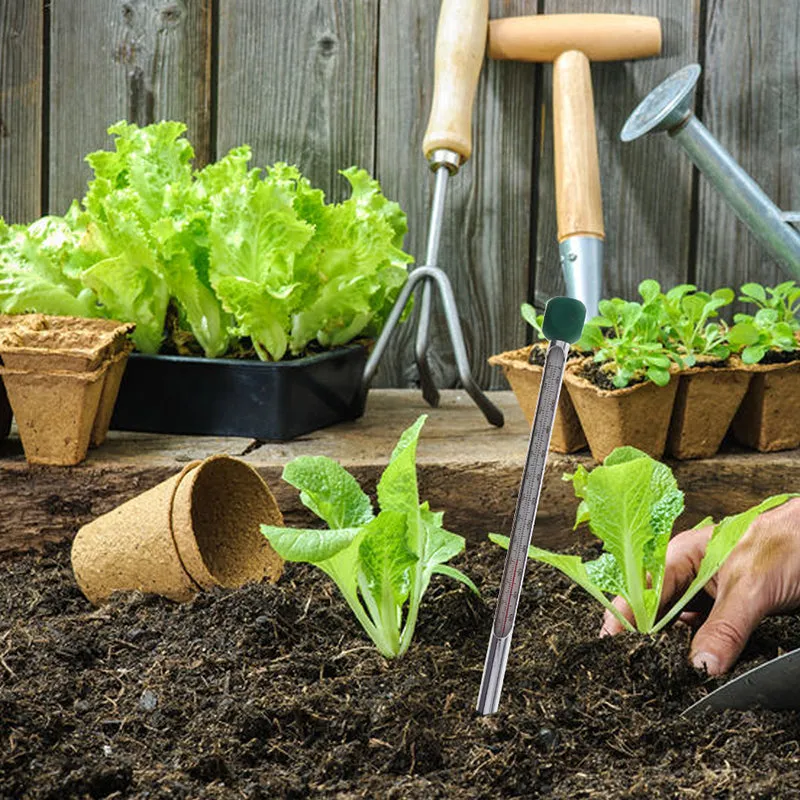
{"type": "Point", "coordinates": [226, 254]}
{"type": "Point", "coordinates": [687, 315]}
{"type": "Point", "coordinates": [630, 345]}
{"type": "Point", "coordinates": [382, 564]}
{"type": "Point", "coordinates": [631, 503]}
{"type": "Point", "coordinates": [783, 298]}
{"type": "Point", "coordinates": [755, 336]}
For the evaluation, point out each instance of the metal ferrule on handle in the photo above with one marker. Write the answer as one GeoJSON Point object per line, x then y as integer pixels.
{"type": "Point", "coordinates": [582, 265]}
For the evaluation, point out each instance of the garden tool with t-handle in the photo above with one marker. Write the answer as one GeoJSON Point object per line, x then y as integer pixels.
{"type": "Point", "coordinates": [460, 47]}
{"type": "Point", "coordinates": [570, 42]}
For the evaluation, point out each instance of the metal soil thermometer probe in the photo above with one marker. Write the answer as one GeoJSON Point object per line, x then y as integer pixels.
{"type": "Point", "coordinates": [563, 325]}
{"type": "Point", "coordinates": [460, 47]}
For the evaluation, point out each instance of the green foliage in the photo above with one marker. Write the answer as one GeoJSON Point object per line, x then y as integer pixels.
{"type": "Point", "coordinates": [631, 503]}
{"type": "Point", "coordinates": [783, 298]}
{"type": "Point", "coordinates": [382, 564]}
{"type": "Point", "coordinates": [239, 253]}
{"type": "Point", "coordinates": [755, 336]}
{"type": "Point", "coordinates": [632, 343]}
{"type": "Point", "coordinates": [39, 268]}
{"type": "Point", "coordinates": [686, 314]}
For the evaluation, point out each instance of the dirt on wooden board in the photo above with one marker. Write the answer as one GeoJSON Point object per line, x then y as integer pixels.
{"type": "Point", "coordinates": [272, 691]}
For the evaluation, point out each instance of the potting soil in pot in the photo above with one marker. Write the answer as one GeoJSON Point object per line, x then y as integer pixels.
{"type": "Point", "coordinates": [272, 691]}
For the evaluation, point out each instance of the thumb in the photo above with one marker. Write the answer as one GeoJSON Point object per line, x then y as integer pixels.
{"type": "Point", "coordinates": [720, 640]}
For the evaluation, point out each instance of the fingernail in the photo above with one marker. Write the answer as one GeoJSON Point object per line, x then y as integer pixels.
{"type": "Point", "coordinates": [706, 661]}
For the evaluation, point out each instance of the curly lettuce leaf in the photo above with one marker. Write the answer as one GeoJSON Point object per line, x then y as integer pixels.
{"type": "Point", "coordinates": [39, 268]}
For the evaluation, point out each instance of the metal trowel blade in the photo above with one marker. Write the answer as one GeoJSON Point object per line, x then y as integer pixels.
{"type": "Point", "coordinates": [774, 685]}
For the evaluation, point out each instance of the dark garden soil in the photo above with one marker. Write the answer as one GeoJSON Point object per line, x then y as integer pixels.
{"type": "Point", "coordinates": [539, 353]}
{"type": "Point", "coordinates": [602, 379]}
{"type": "Point", "coordinates": [273, 692]}
{"type": "Point", "coordinates": [780, 357]}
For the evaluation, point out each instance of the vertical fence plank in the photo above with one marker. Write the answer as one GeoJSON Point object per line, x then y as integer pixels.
{"type": "Point", "coordinates": [21, 66]}
{"type": "Point", "coordinates": [750, 104]}
{"type": "Point", "coordinates": [297, 83]}
{"type": "Point", "coordinates": [486, 235]}
{"type": "Point", "coordinates": [141, 60]}
{"type": "Point", "coordinates": [646, 185]}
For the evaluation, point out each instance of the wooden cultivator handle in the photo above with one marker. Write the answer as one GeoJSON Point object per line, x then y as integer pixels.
{"type": "Point", "coordinates": [460, 47]}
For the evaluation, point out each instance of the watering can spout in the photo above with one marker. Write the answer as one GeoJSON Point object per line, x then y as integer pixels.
{"type": "Point", "coordinates": [668, 108]}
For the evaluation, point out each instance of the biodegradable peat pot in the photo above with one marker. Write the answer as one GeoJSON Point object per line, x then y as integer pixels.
{"type": "Point", "coordinates": [637, 415]}
{"type": "Point", "coordinates": [108, 397]}
{"type": "Point", "coordinates": [217, 512]}
{"type": "Point", "coordinates": [235, 397]}
{"type": "Point", "coordinates": [132, 547]}
{"type": "Point", "coordinates": [36, 342]}
{"type": "Point", "coordinates": [55, 412]}
{"type": "Point", "coordinates": [5, 412]}
{"type": "Point", "coordinates": [196, 530]}
{"type": "Point", "coordinates": [525, 379]}
{"type": "Point", "coordinates": [705, 404]}
{"type": "Point", "coordinates": [769, 416]}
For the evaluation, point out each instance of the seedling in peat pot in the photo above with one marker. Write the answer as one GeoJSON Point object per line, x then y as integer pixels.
{"type": "Point", "coordinates": [687, 314]}
{"type": "Point", "coordinates": [382, 564]}
{"type": "Point", "coordinates": [631, 503]}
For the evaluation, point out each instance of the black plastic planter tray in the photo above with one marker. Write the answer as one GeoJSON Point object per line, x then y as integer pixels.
{"type": "Point", "coordinates": [232, 397]}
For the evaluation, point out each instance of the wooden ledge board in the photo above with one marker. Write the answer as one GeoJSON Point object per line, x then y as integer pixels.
{"type": "Point", "coordinates": [467, 468]}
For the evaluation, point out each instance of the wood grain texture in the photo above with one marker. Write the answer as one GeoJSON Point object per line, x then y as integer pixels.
{"type": "Point", "coordinates": [486, 236]}
{"type": "Point", "coordinates": [140, 60]}
{"type": "Point", "coordinates": [751, 97]}
{"type": "Point", "coordinates": [460, 51]}
{"type": "Point", "coordinates": [579, 210]}
{"type": "Point", "coordinates": [21, 77]}
{"type": "Point", "coordinates": [467, 469]}
{"type": "Point", "coordinates": [296, 81]}
{"type": "Point", "coordinates": [646, 185]}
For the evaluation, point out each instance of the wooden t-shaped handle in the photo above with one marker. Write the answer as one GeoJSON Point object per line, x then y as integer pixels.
{"type": "Point", "coordinates": [579, 207]}
{"type": "Point", "coordinates": [460, 46]}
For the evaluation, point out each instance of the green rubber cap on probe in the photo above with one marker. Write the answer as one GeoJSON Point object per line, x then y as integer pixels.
{"type": "Point", "coordinates": [563, 319]}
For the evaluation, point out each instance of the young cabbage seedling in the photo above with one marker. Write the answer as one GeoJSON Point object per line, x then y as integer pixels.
{"type": "Point", "coordinates": [784, 298]}
{"type": "Point", "coordinates": [755, 336]}
{"type": "Point", "coordinates": [631, 346]}
{"type": "Point", "coordinates": [686, 322]}
{"type": "Point", "coordinates": [382, 564]}
{"type": "Point", "coordinates": [631, 503]}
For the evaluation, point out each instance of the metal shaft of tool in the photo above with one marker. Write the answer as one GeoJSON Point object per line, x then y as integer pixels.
{"type": "Point", "coordinates": [522, 528]}
{"type": "Point", "coordinates": [750, 203]}
{"type": "Point", "coordinates": [429, 390]}
{"type": "Point", "coordinates": [438, 278]}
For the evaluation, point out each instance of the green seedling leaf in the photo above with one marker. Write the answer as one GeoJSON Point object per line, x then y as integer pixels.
{"type": "Point", "coordinates": [397, 488]}
{"type": "Point", "coordinates": [329, 490]}
{"type": "Point", "coordinates": [572, 567]}
{"type": "Point", "coordinates": [308, 544]}
{"type": "Point", "coordinates": [382, 565]}
{"type": "Point", "coordinates": [631, 503]}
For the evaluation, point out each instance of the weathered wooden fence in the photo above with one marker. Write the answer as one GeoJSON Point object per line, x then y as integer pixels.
{"type": "Point", "coordinates": [330, 83]}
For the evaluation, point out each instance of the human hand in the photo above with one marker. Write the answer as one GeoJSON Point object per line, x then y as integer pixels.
{"type": "Point", "coordinates": [760, 577]}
